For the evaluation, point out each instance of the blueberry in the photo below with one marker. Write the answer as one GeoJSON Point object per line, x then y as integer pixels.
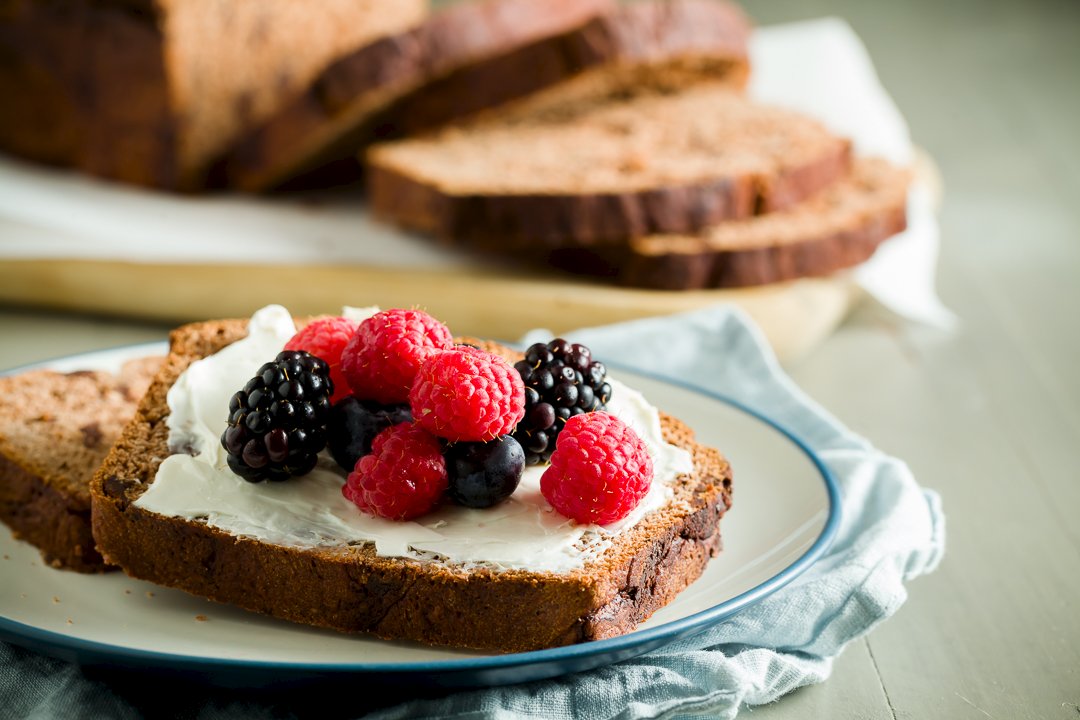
{"type": "Point", "coordinates": [355, 423]}
{"type": "Point", "coordinates": [484, 474]}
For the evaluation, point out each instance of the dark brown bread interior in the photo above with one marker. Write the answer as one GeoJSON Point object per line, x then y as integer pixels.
{"type": "Point", "coordinates": [838, 228]}
{"type": "Point", "coordinates": [351, 589]}
{"type": "Point", "coordinates": [601, 170]}
{"type": "Point", "coordinates": [55, 429]}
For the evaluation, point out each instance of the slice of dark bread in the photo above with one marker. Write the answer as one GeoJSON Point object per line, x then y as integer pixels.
{"type": "Point", "coordinates": [474, 56]}
{"type": "Point", "coordinates": [331, 118]}
{"type": "Point", "coordinates": [598, 170]}
{"type": "Point", "coordinates": [350, 588]}
{"type": "Point", "coordinates": [838, 228]}
{"type": "Point", "coordinates": [55, 429]}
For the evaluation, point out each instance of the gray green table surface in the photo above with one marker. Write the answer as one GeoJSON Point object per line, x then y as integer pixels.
{"type": "Point", "coordinates": [989, 415]}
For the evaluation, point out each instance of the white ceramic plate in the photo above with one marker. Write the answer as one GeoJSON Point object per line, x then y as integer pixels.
{"type": "Point", "coordinates": [785, 512]}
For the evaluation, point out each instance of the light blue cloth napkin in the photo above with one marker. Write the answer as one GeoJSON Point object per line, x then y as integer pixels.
{"type": "Point", "coordinates": [892, 531]}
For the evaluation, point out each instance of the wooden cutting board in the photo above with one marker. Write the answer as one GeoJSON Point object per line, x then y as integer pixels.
{"type": "Point", "coordinates": [794, 316]}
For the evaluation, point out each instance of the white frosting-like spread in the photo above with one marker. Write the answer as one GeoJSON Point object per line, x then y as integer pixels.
{"type": "Point", "coordinates": [521, 532]}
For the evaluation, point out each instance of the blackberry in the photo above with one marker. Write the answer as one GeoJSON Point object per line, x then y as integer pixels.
{"type": "Point", "coordinates": [353, 425]}
{"type": "Point", "coordinates": [277, 423]}
{"type": "Point", "coordinates": [561, 381]}
{"type": "Point", "coordinates": [483, 474]}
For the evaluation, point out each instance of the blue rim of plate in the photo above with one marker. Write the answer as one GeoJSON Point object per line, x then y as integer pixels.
{"type": "Point", "coordinates": [496, 669]}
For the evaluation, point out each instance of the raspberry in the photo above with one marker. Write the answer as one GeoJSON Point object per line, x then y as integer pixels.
{"type": "Point", "coordinates": [387, 349]}
{"type": "Point", "coordinates": [404, 476]}
{"type": "Point", "coordinates": [326, 338]}
{"type": "Point", "coordinates": [466, 394]}
{"type": "Point", "coordinates": [599, 471]}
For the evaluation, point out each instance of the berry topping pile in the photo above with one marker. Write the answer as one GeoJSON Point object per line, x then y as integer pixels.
{"type": "Point", "coordinates": [416, 420]}
{"type": "Point", "coordinates": [403, 477]}
{"type": "Point", "coordinates": [467, 394]}
{"type": "Point", "coordinates": [387, 349]}
{"type": "Point", "coordinates": [561, 381]}
{"type": "Point", "coordinates": [277, 423]}
{"type": "Point", "coordinates": [600, 470]}
{"type": "Point", "coordinates": [326, 338]}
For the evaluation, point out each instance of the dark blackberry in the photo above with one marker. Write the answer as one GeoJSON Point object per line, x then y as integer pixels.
{"type": "Point", "coordinates": [353, 425]}
{"type": "Point", "coordinates": [277, 423]}
{"type": "Point", "coordinates": [561, 380]}
{"type": "Point", "coordinates": [482, 474]}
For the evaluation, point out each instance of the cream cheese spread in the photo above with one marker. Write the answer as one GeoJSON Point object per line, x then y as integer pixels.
{"type": "Point", "coordinates": [523, 532]}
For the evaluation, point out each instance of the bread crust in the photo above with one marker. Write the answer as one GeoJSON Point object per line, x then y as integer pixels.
{"type": "Point", "coordinates": [825, 247]}
{"type": "Point", "coordinates": [56, 61]}
{"type": "Point", "coordinates": [473, 57]}
{"type": "Point", "coordinates": [56, 522]}
{"type": "Point", "coordinates": [353, 590]}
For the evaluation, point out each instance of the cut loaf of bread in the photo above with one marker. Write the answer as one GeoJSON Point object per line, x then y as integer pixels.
{"type": "Point", "coordinates": [154, 91]}
{"type": "Point", "coordinates": [838, 228]}
{"type": "Point", "coordinates": [478, 55]}
{"type": "Point", "coordinates": [331, 119]}
{"type": "Point", "coordinates": [55, 429]}
{"type": "Point", "coordinates": [350, 588]}
{"type": "Point", "coordinates": [600, 169]}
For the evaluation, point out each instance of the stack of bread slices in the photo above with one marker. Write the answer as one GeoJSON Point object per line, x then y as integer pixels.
{"type": "Point", "coordinates": [597, 137]}
{"type": "Point", "coordinates": [651, 168]}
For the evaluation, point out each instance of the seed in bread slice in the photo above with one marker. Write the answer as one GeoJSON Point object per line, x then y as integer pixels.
{"type": "Point", "coordinates": [330, 120]}
{"type": "Point", "coordinates": [603, 170]}
{"type": "Point", "coordinates": [55, 429]}
{"type": "Point", "coordinates": [350, 588]}
{"type": "Point", "coordinates": [838, 228]}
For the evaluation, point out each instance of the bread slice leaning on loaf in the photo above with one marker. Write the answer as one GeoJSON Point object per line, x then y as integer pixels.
{"type": "Point", "coordinates": [55, 429]}
{"type": "Point", "coordinates": [597, 170]}
{"type": "Point", "coordinates": [350, 588]}
{"type": "Point", "coordinates": [335, 114]}
{"type": "Point", "coordinates": [475, 56]}
{"type": "Point", "coordinates": [838, 228]}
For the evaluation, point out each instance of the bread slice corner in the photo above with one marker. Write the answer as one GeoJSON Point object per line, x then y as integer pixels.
{"type": "Point", "coordinates": [55, 430]}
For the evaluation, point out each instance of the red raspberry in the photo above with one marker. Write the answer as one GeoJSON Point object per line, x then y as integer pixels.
{"type": "Point", "coordinates": [466, 394]}
{"type": "Point", "coordinates": [599, 471]}
{"type": "Point", "coordinates": [383, 356]}
{"type": "Point", "coordinates": [403, 477]}
{"type": "Point", "coordinates": [326, 338]}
